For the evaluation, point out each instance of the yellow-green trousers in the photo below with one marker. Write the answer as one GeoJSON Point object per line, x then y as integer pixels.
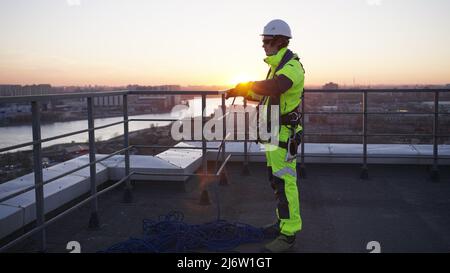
{"type": "Point", "coordinates": [284, 183]}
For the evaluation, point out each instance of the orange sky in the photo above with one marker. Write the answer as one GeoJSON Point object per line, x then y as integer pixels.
{"type": "Point", "coordinates": [198, 42]}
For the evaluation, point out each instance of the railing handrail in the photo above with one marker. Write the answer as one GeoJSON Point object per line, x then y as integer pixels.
{"type": "Point", "coordinates": [47, 97]}
{"type": "Point", "coordinates": [14, 99]}
{"type": "Point", "coordinates": [37, 140]}
{"type": "Point", "coordinates": [381, 90]}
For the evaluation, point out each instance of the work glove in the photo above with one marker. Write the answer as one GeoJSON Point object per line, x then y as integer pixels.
{"type": "Point", "coordinates": [241, 89]}
{"type": "Point", "coordinates": [231, 93]}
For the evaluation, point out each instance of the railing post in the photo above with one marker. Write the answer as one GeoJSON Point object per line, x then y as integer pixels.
{"type": "Point", "coordinates": [38, 176]}
{"type": "Point", "coordinates": [127, 195]}
{"type": "Point", "coordinates": [435, 170]}
{"type": "Point", "coordinates": [204, 197]}
{"type": "Point", "coordinates": [246, 170]}
{"type": "Point", "coordinates": [302, 168]}
{"type": "Point", "coordinates": [223, 180]}
{"type": "Point", "coordinates": [204, 159]}
{"type": "Point", "coordinates": [364, 172]}
{"type": "Point", "coordinates": [224, 124]}
{"type": "Point", "coordinates": [93, 220]}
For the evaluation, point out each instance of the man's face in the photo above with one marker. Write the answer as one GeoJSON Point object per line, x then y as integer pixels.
{"type": "Point", "coordinates": [270, 45]}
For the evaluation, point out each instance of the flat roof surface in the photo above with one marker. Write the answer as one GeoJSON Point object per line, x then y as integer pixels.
{"type": "Point", "coordinates": [398, 206]}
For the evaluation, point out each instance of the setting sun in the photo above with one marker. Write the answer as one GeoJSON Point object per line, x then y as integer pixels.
{"type": "Point", "coordinates": [241, 78]}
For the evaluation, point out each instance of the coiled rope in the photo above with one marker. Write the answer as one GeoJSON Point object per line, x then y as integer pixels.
{"type": "Point", "coordinates": [171, 234]}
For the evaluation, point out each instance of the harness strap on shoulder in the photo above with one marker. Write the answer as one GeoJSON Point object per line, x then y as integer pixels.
{"type": "Point", "coordinates": [274, 100]}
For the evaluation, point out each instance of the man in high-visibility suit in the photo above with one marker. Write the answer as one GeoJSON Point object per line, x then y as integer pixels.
{"type": "Point", "coordinates": [282, 88]}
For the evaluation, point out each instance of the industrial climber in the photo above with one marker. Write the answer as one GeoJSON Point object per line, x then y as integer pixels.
{"type": "Point", "coordinates": [283, 88]}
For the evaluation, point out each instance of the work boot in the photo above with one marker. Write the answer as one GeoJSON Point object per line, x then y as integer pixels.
{"type": "Point", "coordinates": [281, 244]}
{"type": "Point", "coordinates": [271, 231]}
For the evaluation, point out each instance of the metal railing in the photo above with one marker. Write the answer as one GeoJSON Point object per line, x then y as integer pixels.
{"type": "Point", "coordinates": [38, 186]}
{"type": "Point", "coordinates": [365, 113]}
{"type": "Point", "coordinates": [39, 182]}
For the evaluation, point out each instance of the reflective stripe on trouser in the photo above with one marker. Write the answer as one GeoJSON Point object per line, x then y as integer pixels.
{"type": "Point", "coordinates": [286, 191]}
{"type": "Point", "coordinates": [269, 169]}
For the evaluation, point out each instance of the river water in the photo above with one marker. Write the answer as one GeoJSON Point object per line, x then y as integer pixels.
{"type": "Point", "coordinates": [13, 135]}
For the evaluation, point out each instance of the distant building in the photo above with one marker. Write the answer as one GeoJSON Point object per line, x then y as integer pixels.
{"type": "Point", "coordinates": [26, 90]}
{"type": "Point", "coordinates": [154, 87]}
{"type": "Point", "coordinates": [11, 90]}
{"type": "Point", "coordinates": [155, 102]}
{"type": "Point", "coordinates": [331, 86]}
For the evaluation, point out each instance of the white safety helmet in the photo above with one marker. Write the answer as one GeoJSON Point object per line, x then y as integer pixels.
{"type": "Point", "coordinates": [277, 27]}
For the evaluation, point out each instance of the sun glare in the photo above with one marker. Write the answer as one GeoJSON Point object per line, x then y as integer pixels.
{"type": "Point", "coordinates": [240, 78]}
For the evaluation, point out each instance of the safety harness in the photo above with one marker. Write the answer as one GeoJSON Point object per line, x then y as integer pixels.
{"type": "Point", "coordinates": [291, 119]}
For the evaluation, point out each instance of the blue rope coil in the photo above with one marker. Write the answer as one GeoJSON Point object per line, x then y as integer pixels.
{"type": "Point", "coordinates": [171, 234]}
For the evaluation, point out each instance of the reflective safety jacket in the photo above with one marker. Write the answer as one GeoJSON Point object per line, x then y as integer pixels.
{"type": "Point", "coordinates": [283, 86]}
